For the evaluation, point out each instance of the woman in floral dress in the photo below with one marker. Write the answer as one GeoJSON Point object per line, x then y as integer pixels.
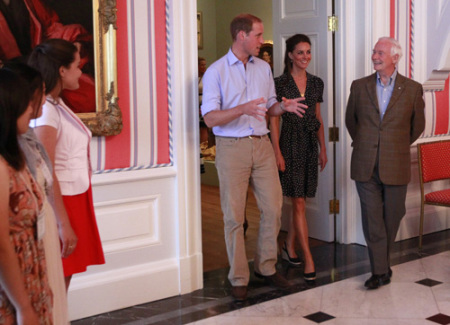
{"type": "Point", "coordinates": [25, 295]}
{"type": "Point", "coordinates": [59, 236]}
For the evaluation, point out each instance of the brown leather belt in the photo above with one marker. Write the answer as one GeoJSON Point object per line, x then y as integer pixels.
{"type": "Point", "coordinates": [256, 136]}
{"type": "Point", "coordinates": [247, 137]}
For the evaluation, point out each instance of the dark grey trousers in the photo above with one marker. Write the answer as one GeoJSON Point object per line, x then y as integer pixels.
{"type": "Point", "coordinates": [382, 209]}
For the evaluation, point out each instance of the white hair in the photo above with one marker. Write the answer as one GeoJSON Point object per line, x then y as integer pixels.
{"type": "Point", "coordinates": [396, 48]}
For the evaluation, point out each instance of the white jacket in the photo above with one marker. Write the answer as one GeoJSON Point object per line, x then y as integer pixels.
{"type": "Point", "coordinates": [72, 163]}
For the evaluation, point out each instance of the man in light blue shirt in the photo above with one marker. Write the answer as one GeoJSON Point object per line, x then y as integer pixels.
{"type": "Point", "coordinates": [238, 93]}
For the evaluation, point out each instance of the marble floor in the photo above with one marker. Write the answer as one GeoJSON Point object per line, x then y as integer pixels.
{"type": "Point", "coordinates": [418, 294]}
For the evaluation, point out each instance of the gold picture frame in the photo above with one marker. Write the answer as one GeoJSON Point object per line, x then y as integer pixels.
{"type": "Point", "coordinates": [266, 52]}
{"type": "Point", "coordinates": [199, 30]}
{"type": "Point", "coordinates": [107, 120]}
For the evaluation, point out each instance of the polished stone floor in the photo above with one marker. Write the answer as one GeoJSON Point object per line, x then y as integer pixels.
{"type": "Point", "coordinates": [418, 294]}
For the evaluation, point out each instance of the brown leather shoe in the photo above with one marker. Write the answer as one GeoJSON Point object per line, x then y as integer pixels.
{"type": "Point", "coordinates": [276, 280]}
{"type": "Point", "coordinates": [239, 293]}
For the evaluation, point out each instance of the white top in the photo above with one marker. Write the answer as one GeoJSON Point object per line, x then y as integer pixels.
{"type": "Point", "coordinates": [72, 163]}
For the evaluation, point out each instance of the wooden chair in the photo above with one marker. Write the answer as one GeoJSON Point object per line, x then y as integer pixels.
{"type": "Point", "coordinates": [434, 165]}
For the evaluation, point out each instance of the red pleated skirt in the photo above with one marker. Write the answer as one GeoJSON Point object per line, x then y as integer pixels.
{"type": "Point", "coordinates": [89, 251]}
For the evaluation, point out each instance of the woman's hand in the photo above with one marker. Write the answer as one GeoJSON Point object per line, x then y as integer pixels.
{"type": "Point", "coordinates": [68, 239]}
{"type": "Point", "coordinates": [280, 162]}
{"type": "Point", "coordinates": [322, 159]}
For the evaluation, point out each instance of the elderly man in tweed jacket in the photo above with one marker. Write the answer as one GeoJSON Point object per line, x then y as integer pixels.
{"type": "Point", "coordinates": [385, 115]}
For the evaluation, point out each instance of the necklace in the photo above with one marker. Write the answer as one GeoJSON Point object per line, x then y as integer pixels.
{"type": "Point", "coordinates": [298, 80]}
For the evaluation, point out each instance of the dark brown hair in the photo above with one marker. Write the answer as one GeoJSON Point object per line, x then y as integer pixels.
{"type": "Point", "coordinates": [14, 99]}
{"type": "Point", "coordinates": [243, 22]}
{"type": "Point", "coordinates": [291, 43]}
{"type": "Point", "coordinates": [33, 79]}
{"type": "Point", "coordinates": [49, 56]}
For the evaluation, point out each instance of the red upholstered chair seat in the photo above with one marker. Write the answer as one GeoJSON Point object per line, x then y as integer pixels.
{"type": "Point", "coordinates": [438, 197]}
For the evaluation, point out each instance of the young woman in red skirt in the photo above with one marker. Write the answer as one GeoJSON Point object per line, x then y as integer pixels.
{"type": "Point", "coordinates": [67, 140]}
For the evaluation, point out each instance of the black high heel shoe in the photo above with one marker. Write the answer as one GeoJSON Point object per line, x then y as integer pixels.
{"type": "Point", "coordinates": [309, 276]}
{"type": "Point", "coordinates": [296, 261]}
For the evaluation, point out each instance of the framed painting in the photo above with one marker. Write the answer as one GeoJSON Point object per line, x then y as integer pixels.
{"type": "Point", "coordinates": [89, 24]}
{"type": "Point", "coordinates": [266, 53]}
{"type": "Point", "coordinates": [199, 30]}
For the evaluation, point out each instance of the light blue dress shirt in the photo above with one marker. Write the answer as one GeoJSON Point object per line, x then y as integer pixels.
{"type": "Point", "coordinates": [384, 92]}
{"type": "Point", "coordinates": [227, 83]}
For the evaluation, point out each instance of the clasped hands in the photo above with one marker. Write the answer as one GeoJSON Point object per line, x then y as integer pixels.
{"type": "Point", "coordinates": [255, 109]}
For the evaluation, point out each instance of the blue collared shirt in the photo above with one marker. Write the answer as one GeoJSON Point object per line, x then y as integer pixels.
{"type": "Point", "coordinates": [384, 92]}
{"type": "Point", "coordinates": [227, 83]}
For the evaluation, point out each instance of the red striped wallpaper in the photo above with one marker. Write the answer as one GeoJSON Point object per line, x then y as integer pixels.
{"type": "Point", "coordinates": [118, 148]}
{"type": "Point", "coordinates": [161, 78]}
{"type": "Point", "coordinates": [442, 110]}
{"type": "Point", "coordinates": [438, 103]}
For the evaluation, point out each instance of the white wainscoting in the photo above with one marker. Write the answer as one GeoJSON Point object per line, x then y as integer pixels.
{"type": "Point", "coordinates": [137, 220]}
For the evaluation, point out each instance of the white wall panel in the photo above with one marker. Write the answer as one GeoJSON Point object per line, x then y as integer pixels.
{"type": "Point", "coordinates": [298, 9]}
{"type": "Point", "coordinates": [133, 222]}
{"type": "Point", "coordinates": [137, 221]}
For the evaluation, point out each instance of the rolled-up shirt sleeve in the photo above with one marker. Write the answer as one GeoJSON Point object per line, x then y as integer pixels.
{"type": "Point", "coordinates": [228, 83]}
{"type": "Point", "coordinates": [211, 99]}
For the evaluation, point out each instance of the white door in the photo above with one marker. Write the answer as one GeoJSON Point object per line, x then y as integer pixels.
{"type": "Point", "coordinates": [310, 17]}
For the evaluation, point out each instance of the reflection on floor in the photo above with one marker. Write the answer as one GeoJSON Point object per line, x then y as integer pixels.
{"type": "Point", "coordinates": [214, 250]}
{"type": "Point", "coordinates": [418, 294]}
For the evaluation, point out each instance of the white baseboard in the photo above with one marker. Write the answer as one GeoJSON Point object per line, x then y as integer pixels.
{"type": "Point", "coordinates": [120, 288]}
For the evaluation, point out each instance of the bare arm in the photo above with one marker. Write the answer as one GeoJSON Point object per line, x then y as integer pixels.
{"type": "Point", "coordinates": [321, 136]}
{"type": "Point", "coordinates": [288, 105]}
{"type": "Point", "coordinates": [275, 138]}
{"type": "Point", "coordinates": [47, 135]}
{"type": "Point", "coordinates": [11, 278]}
{"type": "Point", "coordinates": [221, 117]}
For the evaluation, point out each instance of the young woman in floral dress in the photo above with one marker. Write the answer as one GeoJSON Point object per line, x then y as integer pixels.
{"type": "Point", "coordinates": [25, 295]}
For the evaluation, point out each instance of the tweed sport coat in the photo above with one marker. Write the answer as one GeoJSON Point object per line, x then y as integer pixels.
{"type": "Point", "coordinates": [402, 124]}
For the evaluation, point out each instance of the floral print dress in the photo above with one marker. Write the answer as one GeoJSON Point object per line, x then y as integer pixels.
{"type": "Point", "coordinates": [25, 202]}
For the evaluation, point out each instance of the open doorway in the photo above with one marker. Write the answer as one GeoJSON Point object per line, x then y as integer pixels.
{"type": "Point", "coordinates": [213, 18]}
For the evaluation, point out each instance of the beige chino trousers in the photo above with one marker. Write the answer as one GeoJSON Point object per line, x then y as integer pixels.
{"type": "Point", "coordinates": [240, 161]}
